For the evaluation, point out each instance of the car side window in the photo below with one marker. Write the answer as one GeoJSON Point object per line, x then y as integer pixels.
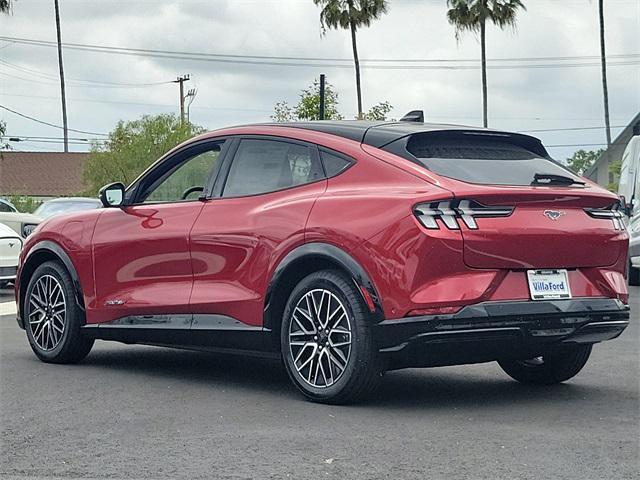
{"type": "Point", "coordinates": [261, 166]}
{"type": "Point", "coordinates": [185, 181]}
{"type": "Point", "coordinates": [333, 164]}
{"type": "Point", "coordinates": [5, 207]}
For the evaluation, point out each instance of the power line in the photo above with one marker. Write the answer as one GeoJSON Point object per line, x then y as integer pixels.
{"type": "Point", "coordinates": [47, 79]}
{"type": "Point", "coordinates": [47, 123]}
{"type": "Point", "coordinates": [117, 102]}
{"type": "Point", "coordinates": [622, 59]}
{"type": "Point", "coordinates": [585, 145]}
{"type": "Point", "coordinates": [84, 139]}
{"type": "Point", "coordinates": [50, 76]}
{"type": "Point", "coordinates": [57, 142]}
{"type": "Point", "coordinates": [569, 129]}
{"type": "Point", "coordinates": [38, 42]}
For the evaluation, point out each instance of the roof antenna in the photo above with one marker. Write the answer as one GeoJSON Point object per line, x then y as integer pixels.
{"type": "Point", "coordinates": [414, 116]}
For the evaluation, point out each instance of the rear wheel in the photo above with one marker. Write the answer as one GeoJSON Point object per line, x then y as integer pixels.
{"type": "Point", "coordinates": [326, 340]}
{"type": "Point", "coordinates": [634, 276]}
{"type": "Point", "coordinates": [554, 367]}
{"type": "Point", "coordinates": [53, 318]}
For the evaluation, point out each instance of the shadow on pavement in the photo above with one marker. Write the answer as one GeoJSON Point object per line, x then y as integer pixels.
{"type": "Point", "coordinates": [435, 388]}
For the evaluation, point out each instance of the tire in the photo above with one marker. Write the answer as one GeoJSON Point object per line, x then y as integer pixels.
{"type": "Point", "coordinates": [555, 367]}
{"type": "Point", "coordinates": [334, 368]}
{"type": "Point", "coordinates": [634, 276]}
{"type": "Point", "coordinates": [52, 316]}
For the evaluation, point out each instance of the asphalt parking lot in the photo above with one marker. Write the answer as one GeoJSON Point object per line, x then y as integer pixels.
{"type": "Point", "coordinates": [146, 412]}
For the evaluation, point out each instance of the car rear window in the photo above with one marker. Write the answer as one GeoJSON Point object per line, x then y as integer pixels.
{"type": "Point", "coordinates": [482, 160]}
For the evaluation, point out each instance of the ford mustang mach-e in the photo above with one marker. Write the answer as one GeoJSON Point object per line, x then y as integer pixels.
{"type": "Point", "coordinates": [345, 248]}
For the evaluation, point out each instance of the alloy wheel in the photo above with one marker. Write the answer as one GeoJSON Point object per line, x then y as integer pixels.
{"type": "Point", "coordinates": [47, 312]}
{"type": "Point", "coordinates": [320, 338]}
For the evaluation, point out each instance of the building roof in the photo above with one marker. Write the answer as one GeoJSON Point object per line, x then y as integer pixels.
{"type": "Point", "coordinates": [44, 174]}
{"type": "Point", "coordinates": [617, 148]}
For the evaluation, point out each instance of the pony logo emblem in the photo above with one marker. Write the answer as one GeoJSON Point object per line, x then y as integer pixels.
{"type": "Point", "coordinates": [553, 214]}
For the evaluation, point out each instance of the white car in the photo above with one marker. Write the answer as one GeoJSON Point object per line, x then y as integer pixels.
{"type": "Point", "coordinates": [10, 247]}
{"type": "Point", "coordinates": [629, 191]}
{"type": "Point", "coordinates": [21, 223]}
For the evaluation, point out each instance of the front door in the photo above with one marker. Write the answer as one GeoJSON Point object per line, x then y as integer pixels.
{"type": "Point", "coordinates": [141, 251]}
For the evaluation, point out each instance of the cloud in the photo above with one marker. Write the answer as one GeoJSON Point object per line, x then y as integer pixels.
{"type": "Point", "coordinates": [519, 99]}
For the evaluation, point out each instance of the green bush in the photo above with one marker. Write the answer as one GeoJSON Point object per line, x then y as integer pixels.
{"type": "Point", "coordinates": [24, 203]}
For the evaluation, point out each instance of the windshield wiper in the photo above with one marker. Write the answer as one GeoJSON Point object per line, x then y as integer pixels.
{"type": "Point", "coordinates": [554, 179]}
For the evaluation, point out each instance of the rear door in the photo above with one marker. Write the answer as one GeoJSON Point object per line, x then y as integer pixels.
{"type": "Point", "coordinates": [258, 214]}
{"type": "Point", "coordinates": [510, 219]}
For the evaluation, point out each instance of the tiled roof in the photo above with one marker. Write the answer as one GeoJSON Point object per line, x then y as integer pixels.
{"type": "Point", "coordinates": [41, 173]}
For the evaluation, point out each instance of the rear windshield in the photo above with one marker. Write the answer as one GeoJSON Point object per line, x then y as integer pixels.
{"type": "Point", "coordinates": [485, 161]}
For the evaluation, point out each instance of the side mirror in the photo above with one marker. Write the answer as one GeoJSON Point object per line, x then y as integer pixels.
{"type": "Point", "coordinates": [112, 195]}
{"type": "Point", "coordinates": [627, 208]}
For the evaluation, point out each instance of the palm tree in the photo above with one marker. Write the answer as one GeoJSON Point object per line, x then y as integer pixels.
{"type": "Point", "coordinates": [471, 16]}
{"type": "Point", "coordinates": [351, 14]}
{"type": "Point", "coordinates": [5, 6]}
{"type": "Point", "coordinates": [603, 61]}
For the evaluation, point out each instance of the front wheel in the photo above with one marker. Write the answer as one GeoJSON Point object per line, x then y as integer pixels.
{"type": "Point", "coordinates": [554, 367]}
{"type": "Point", "coordinates": [327, 340]}
{"type": "Point", "coordinates": [52, 317]}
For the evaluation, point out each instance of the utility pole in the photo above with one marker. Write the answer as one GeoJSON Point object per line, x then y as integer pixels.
{"type": "Point", "coordinates": [322, 81]}
{"type": "Point", "coordinates": [62, 89]}
{"type": "Point", "coordinates": [603, 61]}
{"type": "Point", "coordinates": [191, 95]}
{"type": "Point", "coordinates": [180, 80]}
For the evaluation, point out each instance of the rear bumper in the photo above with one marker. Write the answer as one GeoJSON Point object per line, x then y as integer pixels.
{"type": "Point", "coordinates": [8, 273]}
{"type": "Point", "coordinates": [494, 330]}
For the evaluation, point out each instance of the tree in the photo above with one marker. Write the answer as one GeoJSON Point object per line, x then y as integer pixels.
{"type": "Point", "coordinates": [3, 130]}
{"type": "Point", "coordinates": [378, 112]}
{"type": "Point", "coordinates": [581, 160]}
{"type": "Point", "coordinates": [351, 14]}
{"type": "Point", "coordinates": [472, 16]}
{"type": "Point", "coordinates": [614, 175]}
{"type": "Point", "coordinates": [308, 107]}
{"type": "Point", "coordinates": [5, 6]}
{"type": "Point", "coordinates": [132, 147]}
{"type": "Point", "coordinates": [603, 61]}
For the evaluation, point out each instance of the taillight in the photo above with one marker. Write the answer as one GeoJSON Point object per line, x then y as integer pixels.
{"type": "Point", "coordinates": [449, 212]}
{"type": "Point", "coordinates": [612, 213]}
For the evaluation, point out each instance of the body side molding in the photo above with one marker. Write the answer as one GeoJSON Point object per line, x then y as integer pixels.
{"type": "Point", "coordinates": [204, 332]}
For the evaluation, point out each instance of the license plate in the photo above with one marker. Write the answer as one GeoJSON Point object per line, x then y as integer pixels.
{"type": "Point", "coordinates": [548, 284]}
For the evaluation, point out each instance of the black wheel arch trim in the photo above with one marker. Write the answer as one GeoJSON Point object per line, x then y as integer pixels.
{"type": "Point", "coordinates": [336, 255]}
{"type": "Point", "coordinates": [59, 252]}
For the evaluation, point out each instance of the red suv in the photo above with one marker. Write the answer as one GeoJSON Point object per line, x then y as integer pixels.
{"type": "Point", "coordinates": [345, 248]}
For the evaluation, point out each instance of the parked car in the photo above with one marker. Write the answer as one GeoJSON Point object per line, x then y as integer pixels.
{"type": "Point", "coordinates": [64, 205]}
{"type": "Point", "coordinates": [7, 207]}
{"type": "Point", "coordinates": [10, 246]}
{"type": "Point", "coordinates": [21, 223]}
{"type": "Point", "coordinates": [629, 191]}
{"type": "Point", "coordinates": [347, 249]}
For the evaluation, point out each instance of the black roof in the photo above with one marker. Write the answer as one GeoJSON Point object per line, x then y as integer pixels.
{"type": "Point", "coordinates": [379, 134]}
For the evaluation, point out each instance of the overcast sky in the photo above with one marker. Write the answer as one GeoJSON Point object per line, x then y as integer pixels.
{"type": "Point", "coordinates": [230, 93]}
